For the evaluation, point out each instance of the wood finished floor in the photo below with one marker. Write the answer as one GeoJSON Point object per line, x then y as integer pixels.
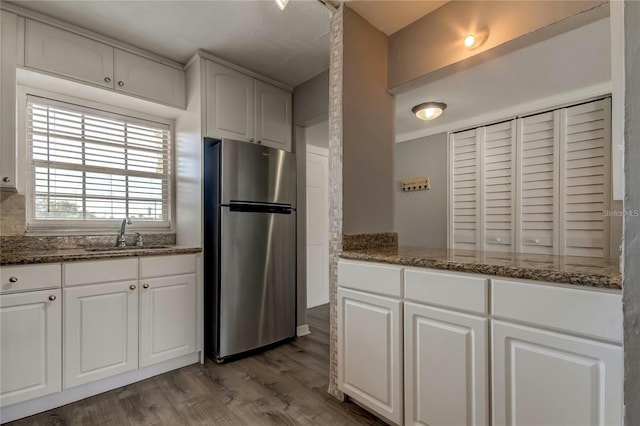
{"type": "Point", "coordinates": [286, 385]}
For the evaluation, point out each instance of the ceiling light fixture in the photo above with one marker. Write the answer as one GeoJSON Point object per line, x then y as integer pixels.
{"type": "Point", "coordinates": [475, 40]}
{"type": "Point", "coordinates": [469, 40]}
{"type": "Point", "coordinates": [429, 110]}
{"type": "Point", "coordinates": [282, 3]}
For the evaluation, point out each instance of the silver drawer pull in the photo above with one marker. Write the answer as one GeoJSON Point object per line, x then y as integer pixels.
{"type": "Point", "coordinates": [6, 179]}
{"type": "Point", "coordinates": [132, 287]}
{"type": "Point", "coordinates": [145, 285]}
{"type": "Point", "coordinates": [498, 240]}
{"type": "Point", "coordinates": [121, 83]}
{"type": "Point", "coordinates": [13, 280]}
{"type": "Point", "coordinates": [52, 298]}
{"type": "Point", "coordinates": [107, 79]}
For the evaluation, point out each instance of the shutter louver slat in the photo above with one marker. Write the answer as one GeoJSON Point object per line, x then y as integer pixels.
{"type": "Point", "coordinates": [90, 166]}
{"type": "Point", "coordinates": [464, 192]}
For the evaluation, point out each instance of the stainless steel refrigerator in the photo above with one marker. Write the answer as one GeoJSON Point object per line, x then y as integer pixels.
{"type": "Point", "coordinates": [249, 247]}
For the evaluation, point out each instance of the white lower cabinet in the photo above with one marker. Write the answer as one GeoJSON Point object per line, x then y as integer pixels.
{"type": "Point", "coordinates": [369, 351]}
{"type": "Point", "coordinates": [546, 378]}
{"type": "Point", "coordinates": [167, 318]}
{"type": "Point", "coordinates": [30, 345]}
{"type": "Point", "coordinates": [101, 331]}
{"type": "Point", "coordinates": [446, 367]}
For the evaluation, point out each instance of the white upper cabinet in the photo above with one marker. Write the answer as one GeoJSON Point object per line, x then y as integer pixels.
{"type": "Point", "coordinates": [8, 62]}
{"type": "Point", "coordinates": [61, 52]}
{"type": "Point", "coordinates": [585, 179]}
{"type": "Point", "coordinates": [229, 103]}
{"type": "Point", "coordinates": [498, 169]}
{"type": "Point", "coordinates": [273, 116]}
{"type": "Point", "coordinates": [538, 184]}
{"type": "Point", "coordinates": [30, 345]}
{"type": "Point", "coordinates": [149, 79]}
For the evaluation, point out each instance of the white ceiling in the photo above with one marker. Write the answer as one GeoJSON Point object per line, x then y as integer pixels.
{"type": "Point", "coordinates": [290, 46]}
{"type": "Point", "coordinates": [391, 15]}
{"type": "Point", "coordinates": [572, 65]}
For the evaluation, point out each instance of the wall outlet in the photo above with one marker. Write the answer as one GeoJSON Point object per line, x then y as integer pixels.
{"type": "Point", "coordinates": [416, 184]}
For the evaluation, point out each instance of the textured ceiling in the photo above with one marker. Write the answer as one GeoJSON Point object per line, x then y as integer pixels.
{"type": "Point", "coordinates": [391, 15]}
{"type": "Point", "coordinates": [290, 46]}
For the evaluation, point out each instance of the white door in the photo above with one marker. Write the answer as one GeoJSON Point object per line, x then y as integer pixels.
{"type": "Point", "coordinates": [149, 79]}
{"type": "Point", "coordinates": [446, 367]}
{"type": "Point", "coordinates": [229, 103]}
{"type": "Point", "coordinates": [273, 116]}
{"type": "Point", "coordinates": [167, 318]}
{"type": "Point", "coordinates": [30, 345]}
{"type": "Point", "coordinates": [546, 378]}
{"type": "Point", "coordinates": [100, 331]}
{"type": "Point", "coordinates": [61, 52]}
{"type": "Point", "coordinates": [317, 226]}
{"type": "Point", "coordinates": [370, 351]}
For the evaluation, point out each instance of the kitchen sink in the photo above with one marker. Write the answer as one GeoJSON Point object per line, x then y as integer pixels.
{"type": "Point", "coordinates": [124, 248]}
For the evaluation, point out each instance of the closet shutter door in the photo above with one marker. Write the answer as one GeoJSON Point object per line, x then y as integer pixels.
{"type": "Point", "coordinates": [463, 217]}
{"type": "Point", "coordinates": [538, 148]}
{"type": "Point", "coordinates": [498, 186]}
{"type": "Point", "coordinates": [585, 175]}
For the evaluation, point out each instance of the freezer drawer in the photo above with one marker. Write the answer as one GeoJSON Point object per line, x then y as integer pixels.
{"type": "Point", "coordinates": [257, 279]}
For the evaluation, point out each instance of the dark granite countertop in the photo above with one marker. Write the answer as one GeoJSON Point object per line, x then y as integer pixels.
{"type": "Point", "coordinates": [30, 257]}
{"type": "Point", "coordinates": [584, 271]}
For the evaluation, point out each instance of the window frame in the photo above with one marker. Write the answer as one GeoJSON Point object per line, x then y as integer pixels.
{"type": "Point", "coordinates": [87, 227]}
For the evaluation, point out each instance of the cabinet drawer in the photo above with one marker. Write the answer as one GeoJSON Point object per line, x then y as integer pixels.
{"type": "Point", "coordinates": [589, 312]}
{"type": "Point", "coordinates": [370, 277]}
{"type": "Point", "coordinates": [447, 289]}
{"type": "Point", "coordinates": [100, 271]}
{"type": "Point", "coordinates": [30, 277]}
{"type": "Point", "coordinates": [159, 266]}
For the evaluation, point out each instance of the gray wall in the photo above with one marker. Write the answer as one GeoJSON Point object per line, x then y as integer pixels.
{"type": "Point", "coordinates": [368, 129]}
{"type": "Point", "coordinates": [421, 216]}
{"type": "Point", "coordinates": [310, 106]}
{"type": "Point", "coordinates": [631, 274]}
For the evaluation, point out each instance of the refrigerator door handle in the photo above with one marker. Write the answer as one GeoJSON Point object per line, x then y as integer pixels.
{"type": "Point", "coordinates": [260, 208]}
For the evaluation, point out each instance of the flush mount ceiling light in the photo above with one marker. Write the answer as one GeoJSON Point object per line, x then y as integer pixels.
{"type": "Point", "coordinates": [429, 110]}
{"type": "Point", "coordinates": [475, 40]}
{"type": "Point", "coordinates": [282, 3]}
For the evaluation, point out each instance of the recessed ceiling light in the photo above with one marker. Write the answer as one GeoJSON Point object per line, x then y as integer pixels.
{"type": "Point", "coordinates": [429, 110]}
{"type": "Point", "coordinates": [477, 39]}
{"type": "Point", "coordinates": [470, 40]}
{"type": "Point", "coordinates": [282, 3]}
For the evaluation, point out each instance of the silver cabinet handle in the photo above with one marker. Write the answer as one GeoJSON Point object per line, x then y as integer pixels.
{"type": "Point", "coordinates": [107, 79]}
{"type": "Point", "coordinates": [145, 285]}
{"type": "Point", "coordinates": [6, 179]}
{"type": "Point", "coordinates": [251, 140]}
{"type": "Point", "coordinates": [13, 280]}
{"type": "Point", "coordinates": [498, 240]}
{"type": "Point", "coordinates": [121, 83]}
{"type": "Point", "coordinates": [259, 142]}
{"type": "Point", "coordinates": [52, 298]}
{"type": "Point", "coordinates": [132, 287]}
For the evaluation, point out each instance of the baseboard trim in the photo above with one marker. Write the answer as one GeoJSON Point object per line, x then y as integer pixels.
{"type": "Point", "coordinates": [38, 405]}
{"type": "Point", "coordinates": [303, 330]}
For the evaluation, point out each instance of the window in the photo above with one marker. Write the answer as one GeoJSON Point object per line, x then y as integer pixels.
{"type": "Point", "coordinates": [90, 167]}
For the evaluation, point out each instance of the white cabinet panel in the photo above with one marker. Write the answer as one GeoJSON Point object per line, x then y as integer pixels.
{"type": "Point", "coordinates": [30, 277]}
{"type": "Point", "coordinates": [159, 266]}
{"type": "Point", "coordinates": [446, 367]}
{"type": "Point", "coordinates": [30, 345]}
{"type": "Point", "coordinates": [167, 318]}
{"type": "Point", "coordinates": [61, 52]}
{"type": "Point", "coordinates": [229, 103]}
{"type": "Point", "coordinates": [101, 331]}
{"type": "Point", "coordinates": [370, 351]}
{"type": "Point", "coordinates": [100, 271]}
{"type": "Point", "coordinates": [545, 378]}
{"type": "Point", "coordinates": [8, 63]}
{"type": "Point", "coordinates": [273, 116]}
{"type": "Point", "coordinates": [149, 79]}
{"type": "Point", "coordinates": [370, 277]}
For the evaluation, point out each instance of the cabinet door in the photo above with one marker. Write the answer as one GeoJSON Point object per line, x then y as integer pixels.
{"type": "Point", "coordinates": [446, 367]}
{"type": "Point", "coordinates": [30, 345]}
{"type": "Point", "coordinates": [464, 189]}
{"type": "Point", "coordinates": [149, 79]}
{"type": "Point", "coordinates": [167, 318]}
{"type": "Point", "coordinates": [101, 331]}
{"type": "Point", "coordinates": [229, 103]}
{"type": "Point", "coordinates": [273, 116]}
{"type": "Point", "coordinates": [8, 63]}
{"type": "Point", "coordinates": [370, 351]}
{"type": "Point", "coordinates": [62, 52]}
{"type": "Point", "coordinates": [546, 378]}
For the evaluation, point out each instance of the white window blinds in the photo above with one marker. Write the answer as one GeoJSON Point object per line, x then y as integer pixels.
{"type": "Point", "coordinates": [90, 166]}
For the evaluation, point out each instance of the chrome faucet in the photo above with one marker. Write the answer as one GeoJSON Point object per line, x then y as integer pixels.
{"type": "Point", "coordinates": [121, 241]}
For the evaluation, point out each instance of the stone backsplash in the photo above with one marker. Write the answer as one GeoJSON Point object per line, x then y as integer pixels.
{"type": "Point", "coordinates": [12, 214]}
{"type": "Point", "coordinates": [60, 242]}
{"type": "Point", "coordinates": [369, 241]}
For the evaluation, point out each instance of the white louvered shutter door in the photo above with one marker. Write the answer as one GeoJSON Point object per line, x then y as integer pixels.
{"type": "Point", "coordinates": [585, 141]}
{"type": "Point", "coordinates": [464, 214]}
{"type": "Point", "coordinates": [538, 207]}
{"type": "Point", "coordinates": [498, 186]}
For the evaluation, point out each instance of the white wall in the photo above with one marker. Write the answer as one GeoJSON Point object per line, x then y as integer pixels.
{"type": "Point", "coordinates": [318, 134]}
